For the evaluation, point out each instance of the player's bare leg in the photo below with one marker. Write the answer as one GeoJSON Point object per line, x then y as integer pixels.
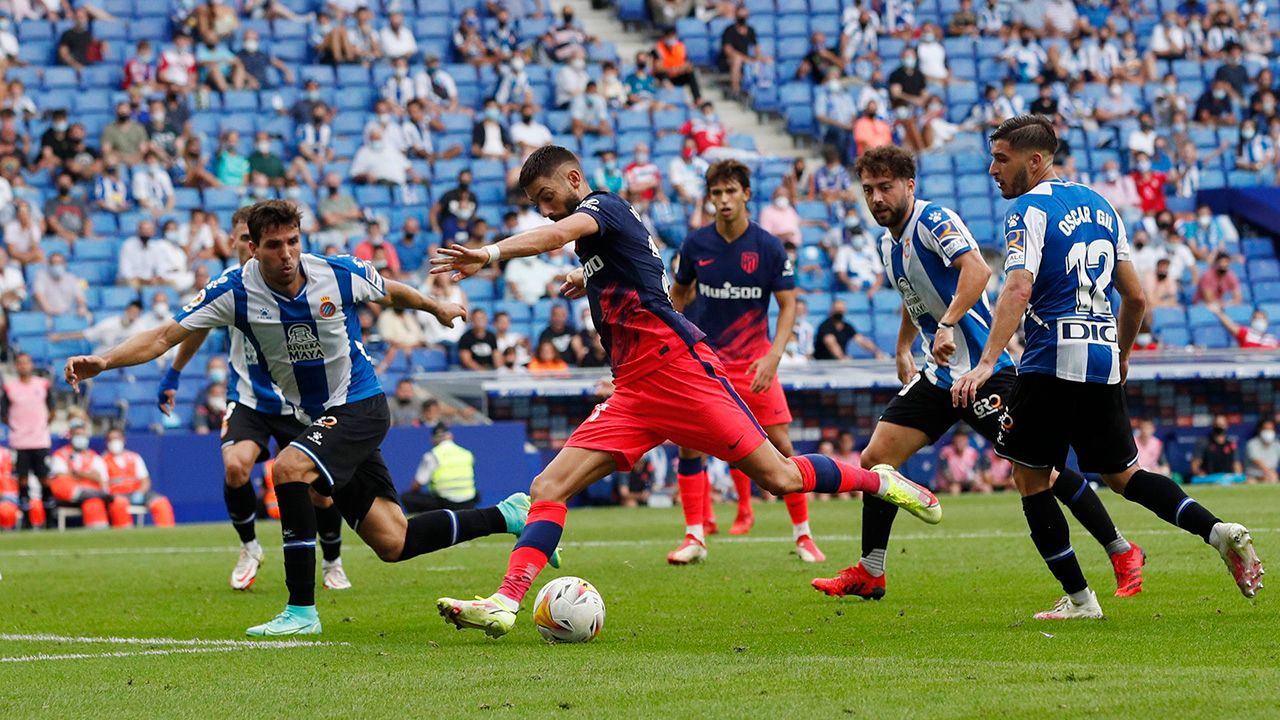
{"type": "Point", "coordinates": [238, 460]}
{"type": "Point", "coordinates": [570, 472]}
{"type": "Point", "coordinates": [891, 444]}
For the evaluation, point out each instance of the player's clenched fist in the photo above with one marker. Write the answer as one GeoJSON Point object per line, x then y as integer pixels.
{"type": "Point", "coordinates": [575, 284]}
{"type": "Point", "coordinates": [447, 312]}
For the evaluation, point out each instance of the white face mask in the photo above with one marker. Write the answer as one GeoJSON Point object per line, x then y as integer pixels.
{"type": "Point", "coordinates": [115, 447]}
{"type": "Point", "coordinates": [161, 309]}
{"type": "Point", "coordinates": [1268, 436]}
{"type": "Point", "coordinates": [1259, 325]}
{"type": "Point", "coordinates": [80, 442]}
{"type": "Point", "coordinates": [782, 201]}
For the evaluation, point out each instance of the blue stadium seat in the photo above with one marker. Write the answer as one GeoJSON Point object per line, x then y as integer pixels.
{"type": "Point", "coordinates": [1174, 336]}
{"type": "Point", "coordinates": [1213, 337]}
{"type": "Point", "coordinates": [1168, 317]}
{"type": "Point", "coordinates": [28, 323]}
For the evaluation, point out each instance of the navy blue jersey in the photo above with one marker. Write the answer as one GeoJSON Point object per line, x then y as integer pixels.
{"type": "Point", "coordinates": [628, 290]}
{"type": "Point", "coordinates": [735, 282]}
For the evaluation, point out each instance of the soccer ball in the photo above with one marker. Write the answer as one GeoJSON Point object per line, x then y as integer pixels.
{"type": "Point", "coordinates": [569, 610]}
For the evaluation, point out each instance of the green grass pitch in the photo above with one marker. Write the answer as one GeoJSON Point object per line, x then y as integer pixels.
{"type": "Point", "coordinates": [742, 636]}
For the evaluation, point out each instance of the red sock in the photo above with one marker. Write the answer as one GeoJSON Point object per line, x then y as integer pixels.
{"type": "Point", "coordinates": [35, 513]}
{"type": "Point", "coordinates": [742, 484]}
{"type": "Point", "coordinates": [8, 515]}
{"type": "Point", "coordinates": [93, 513]}
{"type": "Point", "coordinates": [693, 491]}
{"type": "Point", "coordinates": [118, 509]}
{"type": "Point", "coordinates": [797, 507]}
{"type": "Point", "coordinates": [541, 535]}
{"type": "Point", "coordinates": [819, 473]}
{"type": "Point", "coordinates": [709, 500]}
{"type": "Point", "coordinates": [162, 512]}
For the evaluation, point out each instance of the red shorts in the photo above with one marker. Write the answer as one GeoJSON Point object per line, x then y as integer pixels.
{"type": "Point", "coordinates": [689, 401]}
{"type": "Point", "coordinates": [769, 407]}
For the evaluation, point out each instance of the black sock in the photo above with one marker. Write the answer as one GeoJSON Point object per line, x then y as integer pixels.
{"type": "Point", "coordinates": [877, 523]}
{"type": "Point", "coordinates": [298, 528]}
{"type": "Point", "coordinates": [1052, 538]}
{"type": "Point", "coordinates": [329, 527]}
{"type": "Point", "coordinates": [439, 529]}
{"type": "Point", "coordinates": [1073, 491]}
{"type": "Point", "coordinates": [1163, 497]}
{"type": "Point", "coordinates": [242, 507]}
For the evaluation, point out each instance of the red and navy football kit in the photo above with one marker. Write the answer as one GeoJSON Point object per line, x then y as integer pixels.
{"type": "Point", "coordinates": [669, 384]}
{"type": "Point", "coordinates": [735, 282]}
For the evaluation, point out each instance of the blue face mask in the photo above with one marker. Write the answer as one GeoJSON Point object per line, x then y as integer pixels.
{"type": "Point", "coordinates": [492, 114]}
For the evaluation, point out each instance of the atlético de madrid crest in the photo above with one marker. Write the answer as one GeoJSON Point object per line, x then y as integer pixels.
{"type": "Point", "coordinates": [750, 261]}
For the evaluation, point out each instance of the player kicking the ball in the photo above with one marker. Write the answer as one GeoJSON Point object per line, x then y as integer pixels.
{"type": "Point", "coordinates": [732, 267]}
{"type": "Point", "coordinates": [256, 413]}
{"type": "Point", "coordinates": [935, 264]}
{"type": "Point", "coordinates": [1066, 251]}
{"type": "Point", "coordinates": [298, 312]}
{"type": "Point", "coordinates": [668, 383]}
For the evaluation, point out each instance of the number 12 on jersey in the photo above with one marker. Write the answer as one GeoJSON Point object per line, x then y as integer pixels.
{"type": "Point", "coordinates": [1093, 264]}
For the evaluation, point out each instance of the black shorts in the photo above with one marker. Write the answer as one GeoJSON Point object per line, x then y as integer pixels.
{"type": "Point", "coordinates": [923, 406]}
{"type": "Point", "coordinates": [28, 462]}
{"type": "Point", "coordinates": [1045, 415]}
{"type": "Point", "coordinates": [344, 445]}
{"type": "Point", "coordinates": [241, 422]}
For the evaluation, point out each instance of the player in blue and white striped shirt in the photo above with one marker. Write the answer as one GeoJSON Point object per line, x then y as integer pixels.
{"type": "Point", "coordinates": [933, 261]}
{"type": "Point", "coordinates": [256, 413]}
{"type": "Point", "coordinates": [298, 313]}
{"type": "Point", "coordinates": [1067, 251]}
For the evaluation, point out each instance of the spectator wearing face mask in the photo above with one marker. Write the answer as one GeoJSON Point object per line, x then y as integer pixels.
{"type": "Point", "coordinates": [67, 214]}
{"type": "Point", "coordinates": [831, 182]}
{"type": "Point", "coordinates": [514, 86]}
{"type": "Point", "coordinates": [57, 291]}
{"type": "Point", "coordinates": [22, 236]}
{"type": "Point", "coordinates": [834, 110]}
{"type": "Point", "coordinates": [1262, 454]}
{"type": "Point", "coordinates": [110, 191]}
{"type": "Point", "coordinates": [1255, 152]}
{"type": "Point", "coordinates": [256, 63]}
{"type": "Point", "coordinates": [781, 219]}
{"type": "Point", "coordinates": [833, 336]}
{"type": "Point", "coordinates": [266, 162]}
{"type": "Point", "coordinates": [1220, 285]}
{"type": "Point", "coordinates": [687, 173]}
{"type": "Point", "coordinates": [1149, 184]}
{"type": "Point", "coordinates": [374, 241]}
{"type": "Point", "coordinates": [1161, 288]}
{"type": "Point", "coordinates": [379, 161]}
{"type": "Point", "coordinates": [210, 407]}
{"type": "Point", "coordinates": [489, 136]}
{"type": "Point", "coordinates": [1255, 336]}
{"type": "Point", "coordinates": [1218, 459]}
{"type": "Point", "coordinates": [643, 177]}
{"type": "Point", "coordinates": [857, 265]}
{"type": "Point", "coordinates": [452, 212]}
{"type": "Point", "coordinates": [869, 131]}
{"type": "Point", "coordinates": [590, 113]}
{"type": "Point", "coordinates": [1214, 106]}
{"type": "Point", "coordinates": [820, 60]}
{"type": "Point", "coordinates": [571, 81]}
{"type": "Point", "coordinates": [1150, 448]}
{"type": "Point", "coordinates": [608, 176]}
{"type": "Point", "coordinates": [146, 259]}
{"type": "Point", "coordinates": [152, 188]}
{"type": "Point", "coordinates": [673, 66]}
{"type": "Point", "coordinates": [109, 332]}
{"type": "Point", "coordinates": [1209, 234]}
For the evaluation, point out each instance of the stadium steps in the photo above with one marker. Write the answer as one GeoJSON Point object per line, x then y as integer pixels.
{"type": "Point", "coordinates": [770, 134]}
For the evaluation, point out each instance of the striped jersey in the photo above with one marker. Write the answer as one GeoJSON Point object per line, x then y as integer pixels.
{"type": "Point", "coordinates": [1069, 238]}
{"type": "Point", "coordinates": [919, 268]}
{"type": "Point", "coordinates": [301, 353]}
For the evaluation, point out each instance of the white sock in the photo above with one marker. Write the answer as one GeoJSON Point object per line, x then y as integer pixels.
{"type": "Point", "coordinates": [884, 487]}
{"type": "Point", "coordinates": [1214, 535]}
{"type": "Point", "coordinates": [873, 562]}
{"type": "Point", "coordinates": [506, 602]}
{"type": "Point", "coordinates": [1118, 546]}
{"type": "Point", "coordinates": [1082, 597]}
{"type": "Point", "coordinates": [696, 531]}
{"type": "Point", "coordinates": [253, 544]}
{"type": "Point", "coordinates": [799, 530]}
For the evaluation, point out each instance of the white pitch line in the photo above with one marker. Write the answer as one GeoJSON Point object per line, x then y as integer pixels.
{"type": "Point", "coordinates": [89, 656]}
{"type": "Point", "coordinates": [941, 536]}
{"type": "Point", "coordinates": [113, 640]}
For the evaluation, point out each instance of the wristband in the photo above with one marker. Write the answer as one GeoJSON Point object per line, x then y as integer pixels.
{"type": "Point", "coordinates": [949, 326]}
{"type": "Point", "coordinates": [168, 382]}
{"type": "Point", "coordinates": [495, 253]}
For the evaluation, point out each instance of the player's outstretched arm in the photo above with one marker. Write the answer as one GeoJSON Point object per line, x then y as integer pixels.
{"type": "Point", "coordinates": [143, 347]}
{"type": "Point", "coordinates": [399, 295]}
{"type": "Point", "coordinates": [1133, 308]}
{"type": "Point", "coordinates": [974, 274]}
{"type": "Point", "coordinates": [1010, 308]}
{"type": "Point", "coordinates": [907, 332]}
{"type": "Point", "coordinates": [168, 393]}
{"type": "Point", "coordinates": [464, 262]}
